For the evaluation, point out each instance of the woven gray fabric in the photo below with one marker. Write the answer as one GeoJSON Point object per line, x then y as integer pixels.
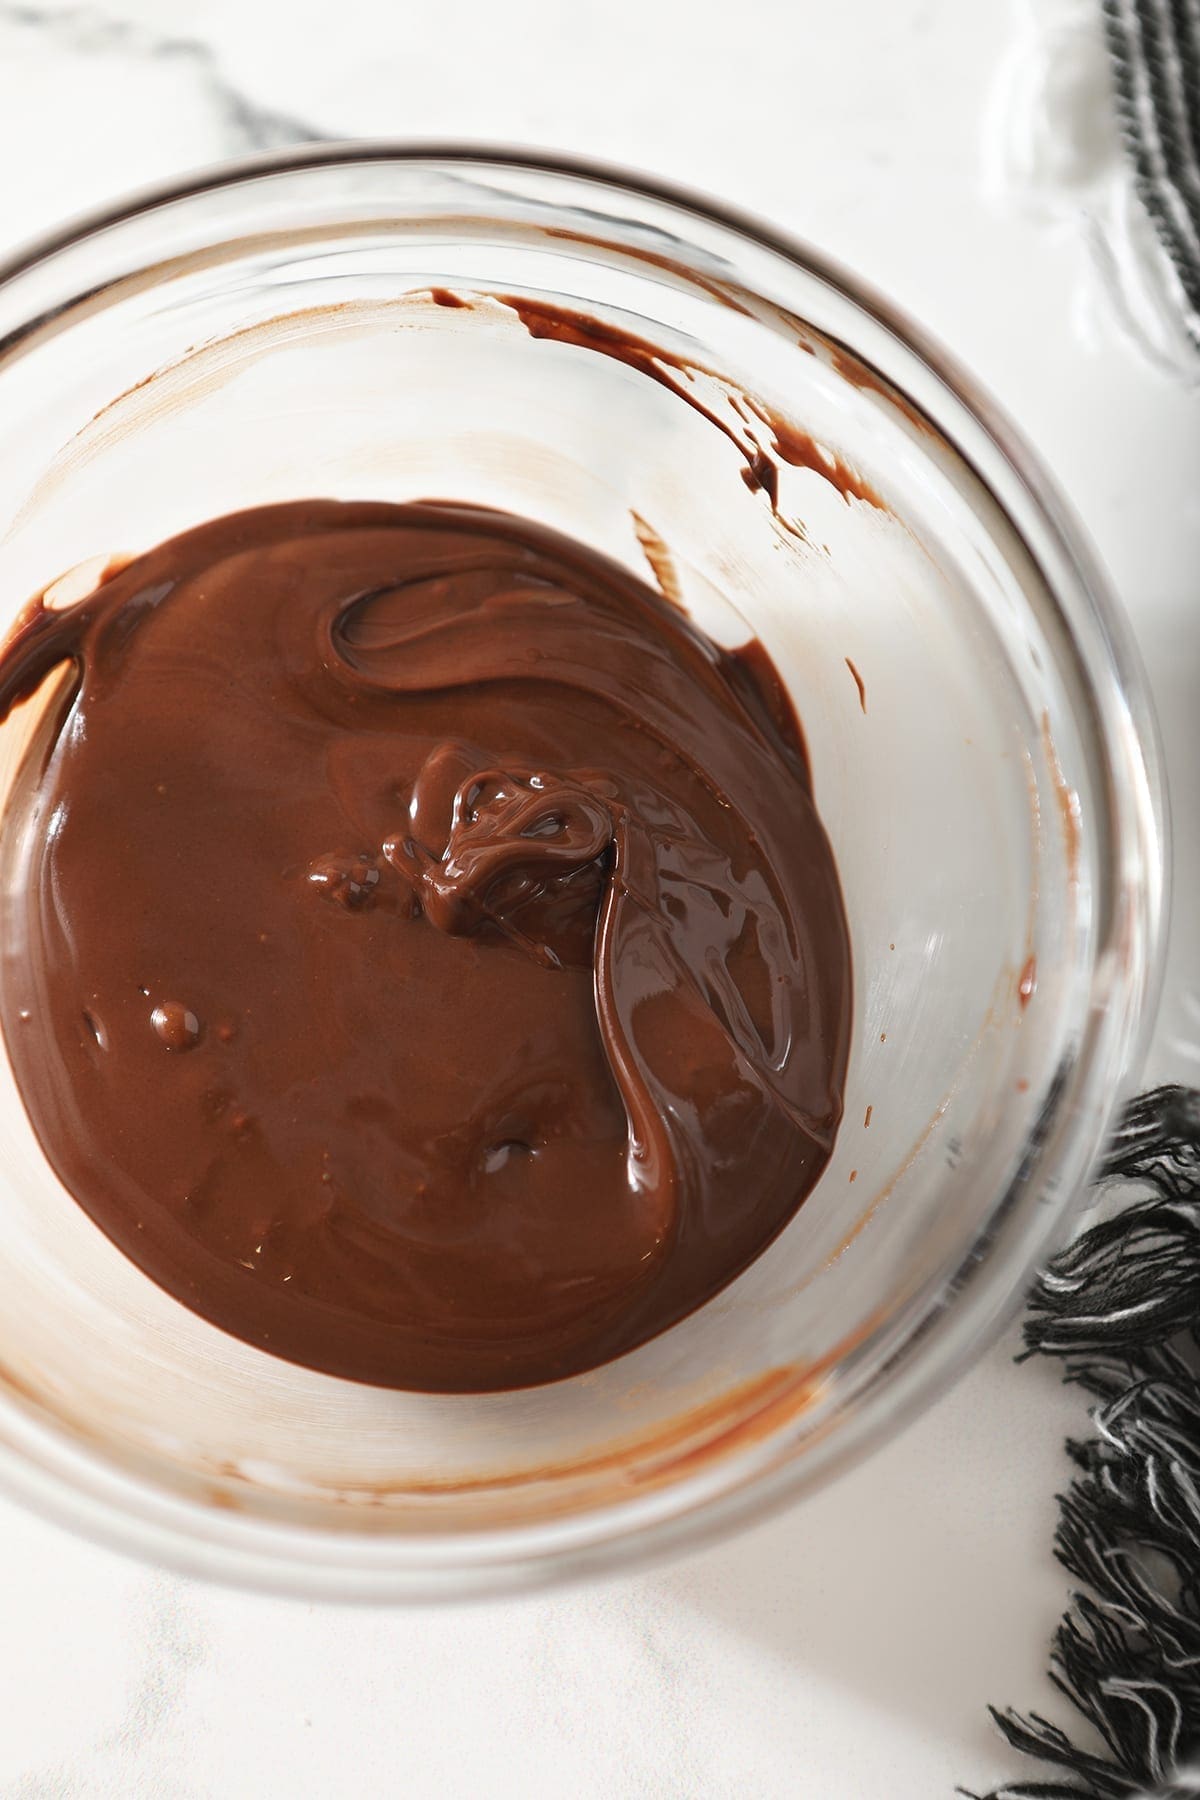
{"type": "Point", "coordinates": [1121, 1308]}
{"type": "Point", "coordinates": [1154, 46]}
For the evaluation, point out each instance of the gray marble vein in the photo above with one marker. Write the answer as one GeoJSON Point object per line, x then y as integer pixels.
{"type": "Point", "coordinates": [88, 30]}
{"type": "Point", "coordinates": [140, 1753]}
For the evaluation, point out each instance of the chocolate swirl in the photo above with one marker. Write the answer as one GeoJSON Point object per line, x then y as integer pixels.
{"type": "Point", "coordinates": [500, 944]}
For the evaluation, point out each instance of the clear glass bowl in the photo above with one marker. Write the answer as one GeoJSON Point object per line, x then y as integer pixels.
{"type": "Point", "coordinates": [267, 332]}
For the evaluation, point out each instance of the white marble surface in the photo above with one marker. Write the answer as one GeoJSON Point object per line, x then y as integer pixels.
{"type": "Point", "coordinates": [848, 1649]}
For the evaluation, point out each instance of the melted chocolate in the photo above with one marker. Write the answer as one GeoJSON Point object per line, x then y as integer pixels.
{"type": "Point", "coordinates": [422, 953]}
{"type": "Point", "coordinates": [760, 465]}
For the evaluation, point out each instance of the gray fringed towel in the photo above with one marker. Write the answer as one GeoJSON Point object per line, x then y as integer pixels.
{"type": "Point", "coordinates": [1121, 1307]}
{"type": "Point", "coordinates": [1154, 49]}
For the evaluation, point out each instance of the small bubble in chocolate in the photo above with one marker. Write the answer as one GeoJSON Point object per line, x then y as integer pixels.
{"type": "Point", "coordinates": [176, 1025]}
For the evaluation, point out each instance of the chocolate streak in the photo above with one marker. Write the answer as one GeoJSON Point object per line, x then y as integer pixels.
{"type": "Point", "coordinates": [422, 955]}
